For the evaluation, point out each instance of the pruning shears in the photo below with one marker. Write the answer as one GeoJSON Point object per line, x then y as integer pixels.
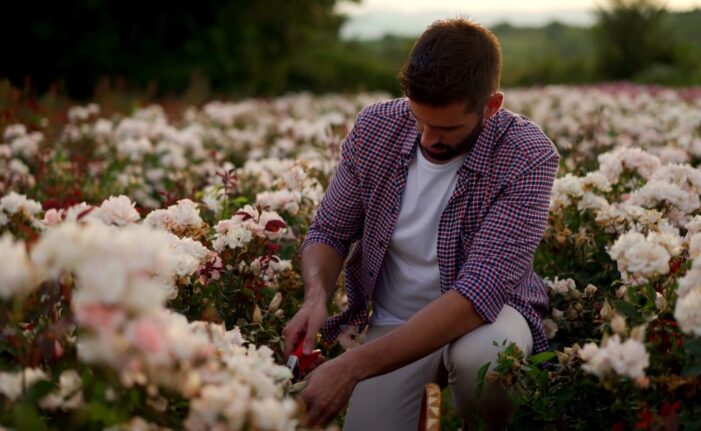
{"type": "Point", "coordinates": [299, 363]}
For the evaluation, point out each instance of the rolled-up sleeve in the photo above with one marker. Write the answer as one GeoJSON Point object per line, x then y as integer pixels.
{"type": "Point", "coordinates": [339, 219]}
{"type": "Point", "coordinates": [503, 247]}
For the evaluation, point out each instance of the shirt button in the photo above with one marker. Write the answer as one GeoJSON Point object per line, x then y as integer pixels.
{"type": "Point", "coordinates": [371, 274]}
{"type": "Point", "coordinates": [381, 243]}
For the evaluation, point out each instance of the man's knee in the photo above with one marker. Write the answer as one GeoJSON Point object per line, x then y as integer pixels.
{"type": "Point", "coordinates": [469, 353]}
{"type": "Point", "coordinates": [465, 356]}
{"type": "Point", "coordinates": [493, 405]}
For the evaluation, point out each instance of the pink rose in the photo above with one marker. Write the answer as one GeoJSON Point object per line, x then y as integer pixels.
{"type": "Point", "coordinates": [100, 316]}
{"type": "Point", "coordinates": [52, 217]}
{"type": "Point", "coordinates": [148, 335]}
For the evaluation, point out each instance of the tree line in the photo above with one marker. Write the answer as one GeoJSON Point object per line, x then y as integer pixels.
{"type": "Point", "coordinates": [260, 48]}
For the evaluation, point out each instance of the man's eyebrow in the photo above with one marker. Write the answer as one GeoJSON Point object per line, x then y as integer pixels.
{"type": "Point", "coordinates": [457, 126]}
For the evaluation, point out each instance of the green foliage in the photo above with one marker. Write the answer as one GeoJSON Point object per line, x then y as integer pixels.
{"type": "Point", "coordinates": [241, 47]}
{"type": "Point", "coordinates": [633, 36]}
{"type": "Point", "coordinates": [553, 54]}
{"type": "Point", "coordinates": [90, 47]}
{"type": "Point", "coordinates": [349, 66]}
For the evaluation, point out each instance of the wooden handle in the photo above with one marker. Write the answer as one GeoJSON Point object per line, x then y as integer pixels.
{"type": "Point", "coordinates": [430, 419]}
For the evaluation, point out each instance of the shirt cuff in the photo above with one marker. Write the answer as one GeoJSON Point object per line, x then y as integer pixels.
{"type": "Point", "coordinates": [315, 237]}
{"type": "Point", "coordinates": [484, 293]}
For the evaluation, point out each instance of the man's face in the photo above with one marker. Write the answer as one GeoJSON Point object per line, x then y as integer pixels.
{"type": "Point", "coordinates": [447, 131]}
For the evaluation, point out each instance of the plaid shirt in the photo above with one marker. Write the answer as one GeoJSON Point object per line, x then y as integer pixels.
{"type": "Point", "coordinates": [487, 233]}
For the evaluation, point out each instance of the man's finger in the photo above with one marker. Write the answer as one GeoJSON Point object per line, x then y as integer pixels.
{"type": "Point", "coordinates": [328, 418]}
{"type": "Point", "coordinates": [291, 335]}
{"type": "Point", "coordinates": [313, 410]}
{"type": "Point", "coordinates": [313, 416]}
{"type": "Point", "coordinates": [323, 416]}
{"type": "Point", "coordinates": [310, 408]}
{"type": "Point", "coordinates": [309, 341]}
{"type": "Point", "coordinates": [310, 338]}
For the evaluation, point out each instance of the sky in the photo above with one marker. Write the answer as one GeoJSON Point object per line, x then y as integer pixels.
{"type": "Point", "coordinates": [488, 6]}
{"type": "Point", "coordinates": [373, 18]}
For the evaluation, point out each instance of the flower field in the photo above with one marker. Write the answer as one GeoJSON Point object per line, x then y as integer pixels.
{"type": "Point", "coordinates": [148, 262]}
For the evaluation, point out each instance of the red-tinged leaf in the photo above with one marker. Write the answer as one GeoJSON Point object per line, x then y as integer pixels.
{"type": "Point", "coordinates": [645, 420]}
{"type": "Point", "coordinates": [28, 233]}
{"type": "Point", "coordinates": [84, 213]}
{"type": "Point", "coordinates": [67, 292]}
{"type": "Point", "coordinates": [26, 326]}
{"type": "Point", "coordinates": [50, 204]}
{"type": "Point", "coordinates": [14, 342]}
{"type": "Point", "coordinates": [670, 408]}
{"type": "Point", "coordinates": [58, 350]}
{"type": "Point", "coordinates": [674, 265]}
{"type": "Point", "coordinates": [275, 225]}
{"type": "Point", "coordinates": [244, 215]}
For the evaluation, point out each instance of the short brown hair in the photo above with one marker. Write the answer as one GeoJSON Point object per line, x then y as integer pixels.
{"type": "Point", "coordinates": [454, 60]}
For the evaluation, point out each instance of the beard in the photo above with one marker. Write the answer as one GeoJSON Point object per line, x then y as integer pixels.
{"type": "Point", "coordinates": [444, 152]}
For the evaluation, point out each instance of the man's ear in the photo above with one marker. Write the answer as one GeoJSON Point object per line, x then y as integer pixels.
{"type": "Point", "coordinates": [494, 104]}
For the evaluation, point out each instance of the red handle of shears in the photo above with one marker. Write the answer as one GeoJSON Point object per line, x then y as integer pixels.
{"type": "Point", "coordinates": [298, 362]}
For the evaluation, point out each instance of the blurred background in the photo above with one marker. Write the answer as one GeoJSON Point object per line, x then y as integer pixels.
{"type": "Point", "coordinates": [195, 51]}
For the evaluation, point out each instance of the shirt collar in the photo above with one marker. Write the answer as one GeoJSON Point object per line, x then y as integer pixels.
{"type": "Point", "coordinates": [479, 157]}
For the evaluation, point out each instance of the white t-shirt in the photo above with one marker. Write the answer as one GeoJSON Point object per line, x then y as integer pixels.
{"type": "Point", "coordinates": [409, 278]}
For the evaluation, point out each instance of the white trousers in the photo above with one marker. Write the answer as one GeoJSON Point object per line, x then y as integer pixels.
{"type": "Point", "coordinates": [392, 401]}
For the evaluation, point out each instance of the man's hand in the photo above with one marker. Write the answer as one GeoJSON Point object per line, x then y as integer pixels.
{"type": "Point", "coordinates": [306, 323]}
{"type": "Point", "coordinates": [321, 265]}
{"type": "Point", "coordinates": [328, 390]}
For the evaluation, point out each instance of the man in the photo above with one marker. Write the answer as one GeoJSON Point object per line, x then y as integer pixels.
{"type": "Point", "coordinates": [445, 195]}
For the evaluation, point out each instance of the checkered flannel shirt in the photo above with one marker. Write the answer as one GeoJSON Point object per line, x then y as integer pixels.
{"type": "Point", "coordinates": [487, 234]}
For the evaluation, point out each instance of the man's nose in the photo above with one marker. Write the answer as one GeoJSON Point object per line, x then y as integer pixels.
{"type": "Point", "coordinates": [429, 137]}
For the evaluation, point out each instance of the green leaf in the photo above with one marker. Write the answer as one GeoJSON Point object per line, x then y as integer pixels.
{"type": "Point", "coordinates": [627, 309]}
{"type": "Point", "coordinates": [565, 394]}
{"type": "Point", "coordinates": [692, 370]}
{"type": "Point", "coordinates": [693, 346]}
{"type": "Point", "coordinates": [651, 293]}
{"type": "Point", "coordinates": [481, 374]}
{"type": "Point", "coordinates": [241, 201]}
{"type": "Point", "coordinates": [27, 418]}
{"type": "Point", "coordinates": [540, 377]}
{"type": "Point", "coordinates": [541, 357]}
{"type": "Point", "coordinates": [104, 414]}
{"type": "Point", "coordinates": [39, 389]}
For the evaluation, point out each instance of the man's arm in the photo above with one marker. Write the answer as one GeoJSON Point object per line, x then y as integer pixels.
{"type": "Point", "coordinates": [338, 222]}
{"type": "Point", "coordinates": [321, 265]}
{"type": "Point", "coordinates": [443, 321]}
{"type": "Point", "coordinates": [330, 386]}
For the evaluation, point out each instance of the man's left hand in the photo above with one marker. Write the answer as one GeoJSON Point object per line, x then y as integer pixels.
{"type": "Point", "coordinates": [328, 390]}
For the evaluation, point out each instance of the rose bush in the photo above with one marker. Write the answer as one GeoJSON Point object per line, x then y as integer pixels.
{"type": "Point", "coordinates": [148, 262]}
{"type": "Point", "coordinates": [146, 279]}
{"type": "Point", "coordinates": [619, 258]}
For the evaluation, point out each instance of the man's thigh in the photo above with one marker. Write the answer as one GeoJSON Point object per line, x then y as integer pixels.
{"type": "Point", "coordinates": [464, 357]}
{"type": "Point", "coordinates": [391, 401]}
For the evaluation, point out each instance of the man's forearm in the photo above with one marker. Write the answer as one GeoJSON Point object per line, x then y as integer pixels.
{"type": "Point", "coordinates": [442, 321]}
{"type": "Point", "coordinates": [321, 265]}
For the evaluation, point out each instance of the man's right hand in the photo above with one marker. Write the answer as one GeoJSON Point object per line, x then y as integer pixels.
{"type": "Point", "coordinates": [305, 324]}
